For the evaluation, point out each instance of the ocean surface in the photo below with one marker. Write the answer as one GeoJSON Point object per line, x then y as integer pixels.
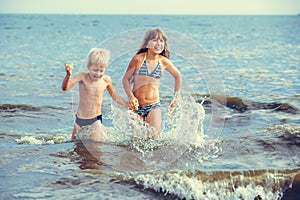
{"type": "Point", "coordinates": [235, 133]}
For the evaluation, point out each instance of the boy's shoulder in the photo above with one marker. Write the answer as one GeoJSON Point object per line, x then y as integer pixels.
{"type": "Point", "coordinates": [107, 78]}
{"type": "Point", "coordinates": [82, 74]}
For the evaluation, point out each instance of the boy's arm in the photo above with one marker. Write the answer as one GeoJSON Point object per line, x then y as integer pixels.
{"type": "Point", "coordinates": [114, 95]}
{"type": "Point", "coordinates": [67, 83]}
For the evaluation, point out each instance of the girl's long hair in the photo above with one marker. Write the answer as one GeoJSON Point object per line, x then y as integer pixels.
{"type": "Point", "coordinates": [152, 34]}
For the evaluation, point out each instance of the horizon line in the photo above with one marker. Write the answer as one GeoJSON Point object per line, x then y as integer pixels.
{"type": "Point", "coordinates": [229, 14]}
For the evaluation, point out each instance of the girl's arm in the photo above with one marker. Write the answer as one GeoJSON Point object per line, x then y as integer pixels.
{"type": "Point", "coordinates": [133, 102]}
{"type": "Point", "coordinates": [127, 77]}
{"type": "Point", "coordinates": [178, 81]}
{"type": "Point", "coordinates": [175, 73]}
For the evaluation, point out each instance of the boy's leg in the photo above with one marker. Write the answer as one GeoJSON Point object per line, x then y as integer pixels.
{"type": "Point", "coordinates": [154, 120]}
{"type": "Point", "coordinates": [97, 132]}
{"type": "Point", "coordinates": [76, 127]}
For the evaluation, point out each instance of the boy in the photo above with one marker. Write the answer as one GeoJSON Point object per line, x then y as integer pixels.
{"type": "Point", "coordinates": [91, 88]}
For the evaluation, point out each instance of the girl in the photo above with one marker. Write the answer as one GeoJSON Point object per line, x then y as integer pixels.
{"type": "Point", "coordinates": [145, 70]}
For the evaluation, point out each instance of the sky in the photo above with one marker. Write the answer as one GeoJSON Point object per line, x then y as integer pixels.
{"type": "Point", "coordinates": [221, 7]}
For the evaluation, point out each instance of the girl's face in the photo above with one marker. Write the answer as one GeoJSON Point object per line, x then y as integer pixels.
{"type": "Point", "coordinates": [157, 44]}
{"type": "Point", "coordinates": [96, 72]}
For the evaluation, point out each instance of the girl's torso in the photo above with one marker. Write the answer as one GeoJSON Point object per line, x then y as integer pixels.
{"type": "Point", "coordinates": [146, 80]}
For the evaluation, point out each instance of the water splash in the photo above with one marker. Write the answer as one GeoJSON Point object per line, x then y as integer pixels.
{"type": "Point", "coordinates": [175, 128]}
{"type": "Point", "coordinates": [130, 135]}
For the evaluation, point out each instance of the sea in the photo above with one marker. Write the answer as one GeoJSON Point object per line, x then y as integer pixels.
{"type": "Point", "coordinates": [234, 134]}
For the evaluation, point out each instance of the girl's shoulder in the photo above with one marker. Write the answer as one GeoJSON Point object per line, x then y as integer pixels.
{"type": "Point", "coordinates": [137, 60]}
{"type": "Point", "coordinates": [161, 57]}
{"type": "Point", "coordinates": [164, 61]}
{"type": "Point", "coordinates": [139, 57]}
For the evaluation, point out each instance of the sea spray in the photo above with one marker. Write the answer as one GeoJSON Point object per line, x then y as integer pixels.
{"type": "Point", "coordinates": [52, 137]}
{"type": "Point", "coordinates": [175, 129]}
{"type": "Point", "coordinates": [174, 126]}
{"type": "Point", "coordinates": [131, 134]}
{"type": "Point", "coordinates": [218, 185]}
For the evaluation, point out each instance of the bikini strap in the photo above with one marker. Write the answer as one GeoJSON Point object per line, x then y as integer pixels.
{"type": "Point", "coordinates": [137, 70]}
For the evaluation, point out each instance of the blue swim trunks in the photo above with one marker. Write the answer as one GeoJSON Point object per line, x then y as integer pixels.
{"type": "Point", "coordinates": [144, 110]}
{"type": "Point", "coordinates": [86, 122]}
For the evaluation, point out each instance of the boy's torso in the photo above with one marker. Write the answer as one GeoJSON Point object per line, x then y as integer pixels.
{"type": "Point", "coordinates": [91, 96]}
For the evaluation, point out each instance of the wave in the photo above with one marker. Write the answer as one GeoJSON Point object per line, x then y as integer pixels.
{"type": "Point", "coordinates": [174, 183]}
{"type": "Point", "coordinates": [287, 129]}
{"type": "Point", "coordinates": [26, 107]}
{"type": "Point", "coordinates": [42, 139]}
{"type": "Point", "coordinates": [252, 184]}
{"type": "Point", "coordinates": [291, 134]}
{"type": "Point", "coordinates": [243, 105]}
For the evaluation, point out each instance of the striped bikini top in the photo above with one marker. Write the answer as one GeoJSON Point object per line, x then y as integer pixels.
{"type": "Point", "coordinates": [156, 73]}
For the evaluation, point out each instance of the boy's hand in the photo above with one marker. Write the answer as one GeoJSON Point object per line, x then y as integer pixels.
{"type": "Point", "coordinates": [69, 68]}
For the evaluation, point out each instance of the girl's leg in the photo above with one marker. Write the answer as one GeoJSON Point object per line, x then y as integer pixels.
{"type": "Point", "coordinates": [154, 120]}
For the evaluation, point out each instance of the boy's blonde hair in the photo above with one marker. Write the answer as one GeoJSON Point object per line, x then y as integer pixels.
{"type": "Point", "coordinates": [98, 56]}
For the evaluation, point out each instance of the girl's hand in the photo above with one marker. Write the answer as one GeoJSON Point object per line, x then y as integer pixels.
{"type": "Point", "coordinates": [173, 103]}
{"type": "Point", "coordinates": [69, 68]}
{"type": "Point", "coordinates": [172, 106]}
{"type": "Point", "coordinates": [133, 103]}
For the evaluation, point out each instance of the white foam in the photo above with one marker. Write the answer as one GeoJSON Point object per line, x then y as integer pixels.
{"type": "Point", "coordinates": [41, 140]}
{"type": "Point", "coordinates": [191, 187]}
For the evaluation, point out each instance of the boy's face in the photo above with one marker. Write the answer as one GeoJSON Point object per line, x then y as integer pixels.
{"type": "Point", "coordinates": [96, 71]}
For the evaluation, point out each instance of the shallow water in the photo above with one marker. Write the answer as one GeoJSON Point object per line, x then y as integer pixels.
{"type": "Point", "coordinates": [249, 146]}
